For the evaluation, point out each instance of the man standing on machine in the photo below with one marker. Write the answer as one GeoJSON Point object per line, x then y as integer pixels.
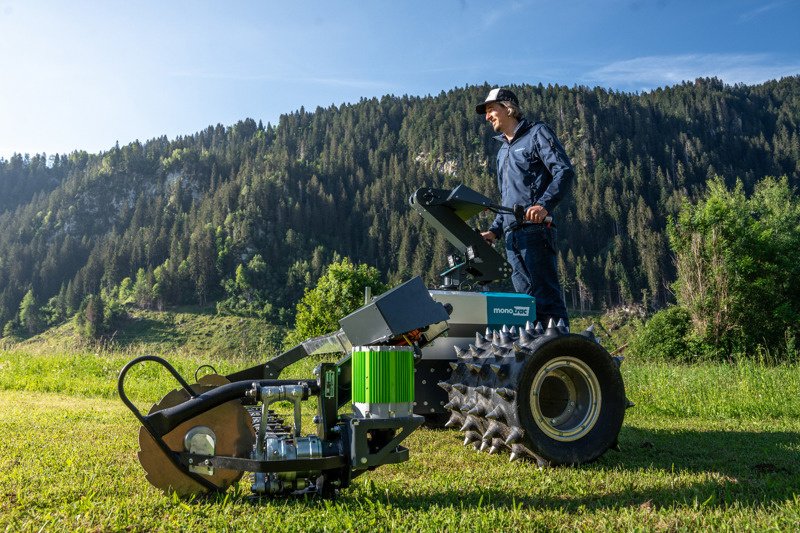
{"type": "Point", "coordinates": [532, 171]}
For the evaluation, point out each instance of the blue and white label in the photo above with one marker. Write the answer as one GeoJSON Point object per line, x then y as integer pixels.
{"type": "Point", "coordinates": [509, 309]}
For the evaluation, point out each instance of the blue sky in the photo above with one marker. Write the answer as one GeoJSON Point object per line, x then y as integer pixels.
{"type": "Point", "coordinates": [86, 74]}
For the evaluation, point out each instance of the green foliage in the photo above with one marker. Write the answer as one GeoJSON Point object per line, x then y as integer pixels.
{"type": "Point", "coordinates": [246, 294]}
{"type": "Point", "coordinates": [737, 267]}
{"type": "Point", "coordinates": [125, 293]}
{"type": "Point", "coordinates": [12, 329]}
{"type": "Point", "coordinates": [339, 292]}
{"type": "Point", "coordinates": [188, 211]}
{"type": "Point", "coordinates": [667, 336]}
{"type": "Point", "coordinates": [142, 292]}
{"type": "Point", "coordinates": [90, 317]}
{"type": "Point", "coordinates": [30, 314]}
{"type": "Point", "coordinates": [55, 312]}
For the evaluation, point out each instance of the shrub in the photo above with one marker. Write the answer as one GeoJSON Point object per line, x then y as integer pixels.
{"type": "Point", "coordinates": [339, 292]}
{"type": "Point", "coordinates": [667, 336]}
{"type": "Point", "coordinates": [737, 268]}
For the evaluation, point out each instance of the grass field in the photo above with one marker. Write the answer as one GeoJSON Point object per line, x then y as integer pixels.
{"type": "Point", "coordinates": [706, 447]}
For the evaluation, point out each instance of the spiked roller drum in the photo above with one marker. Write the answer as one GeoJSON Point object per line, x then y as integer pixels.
{"type": "Point", "coordinates": [546, 395]}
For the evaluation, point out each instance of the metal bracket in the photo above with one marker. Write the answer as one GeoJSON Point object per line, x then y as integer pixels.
{"type": "Point", "coordinates": [391, 452]}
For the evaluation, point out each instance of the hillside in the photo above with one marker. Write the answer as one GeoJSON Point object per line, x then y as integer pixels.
{"type": "Point", "coordinates": [200, 334]}
{"type": "Point", "coordinates": [253, 213]}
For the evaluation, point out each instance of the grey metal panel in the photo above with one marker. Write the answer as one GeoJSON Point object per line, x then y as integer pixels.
{"type": "Point", "coordinates": [443, 348]}
{"type": "Point", "coordinates": [468, 307]}
{"type": "Point", "coordinates": [366, 326]}
{"type": "Point", "coordinates": [400, 310]}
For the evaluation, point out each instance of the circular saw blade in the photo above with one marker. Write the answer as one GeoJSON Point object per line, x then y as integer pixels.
{"type": "Point", "coordinates": [213, 380]}
{"type": "Point", "coordinates": [235, 437]}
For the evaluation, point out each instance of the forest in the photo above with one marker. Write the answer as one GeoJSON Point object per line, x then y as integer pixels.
{"type": "Point", "coordinates": [247, 216]}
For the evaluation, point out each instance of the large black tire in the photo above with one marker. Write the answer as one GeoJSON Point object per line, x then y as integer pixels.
{"type": "Point", "coordinates": [550, 396]}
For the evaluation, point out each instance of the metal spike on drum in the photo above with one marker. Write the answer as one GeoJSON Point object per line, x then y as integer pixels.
{"type": "Point", "coordinates": [455, 420]}
{"type": "Point", "coordinates": [495, 414]}
{"type": "Point", "coordinates": [520, 352]}
{"type": "Point", "coordinates": [589, 334]}
{"type": "Point", "coordinates": [480, 340]}
{"type": "Point", "coordinates": [471, 437]}
{"type": "Point", "coordinates": [514, 437]}
{"type": "Point", "coordinates": [470, 424]}
{"type": "Point", "coordinates": [493, 431]}
{"type": "Point", "coordinates": [497, 446]}
{"type": "Point", "coordinates": [475, 368]}
{"type": "Point", "coordinates": [478, 410]}
{"type": "Point", "coordinates": [506, 393]}
{"type": "Point", "coordinates": [498, 369]}
{"type": "Point", "coordinates": [519, 450]}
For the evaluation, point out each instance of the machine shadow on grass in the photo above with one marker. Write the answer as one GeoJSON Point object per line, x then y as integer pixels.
{"type": "Point", "coordinates": [754, 469]}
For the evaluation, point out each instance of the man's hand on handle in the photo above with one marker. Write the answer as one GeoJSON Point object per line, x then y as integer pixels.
{"type": "Point", "coordinates": [536, 214]}
{"type": "Point", "coordinates": [488, 236]}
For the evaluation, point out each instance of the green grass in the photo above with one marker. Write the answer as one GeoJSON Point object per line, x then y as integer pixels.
{"type": "Point", "coordinates": [706, 447]}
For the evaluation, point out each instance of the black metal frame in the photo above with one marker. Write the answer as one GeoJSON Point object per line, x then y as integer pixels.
{"type": "Point", "coordinates": [447, 212]}
{"type": "Point", "coordinates": [346, 448]}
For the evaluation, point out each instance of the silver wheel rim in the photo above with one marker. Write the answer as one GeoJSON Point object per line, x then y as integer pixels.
{"type": "Point", "coordinates": [565, 399]}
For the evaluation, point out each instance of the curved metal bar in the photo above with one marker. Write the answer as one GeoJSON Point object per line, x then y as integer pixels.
{"type": "Point", "coordinates": [136, 361]}
{"type": "Point", "coordinates": [172, 456]}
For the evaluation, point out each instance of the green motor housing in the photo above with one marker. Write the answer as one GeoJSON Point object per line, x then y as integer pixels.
{"type": "Point", "coordinates": [382, 381]}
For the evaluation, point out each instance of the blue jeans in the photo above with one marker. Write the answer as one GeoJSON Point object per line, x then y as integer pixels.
{"type": "Point", "coordinates": [531, 252]}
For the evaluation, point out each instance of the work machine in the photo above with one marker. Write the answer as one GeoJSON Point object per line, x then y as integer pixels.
{"type": "Point", "coordinates": [459, 355]}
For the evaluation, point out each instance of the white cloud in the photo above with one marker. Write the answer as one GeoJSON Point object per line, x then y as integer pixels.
{"type": "Point", "coordinates": [749, 15]}
{"type": "Point", "coordinates": [644, 73]}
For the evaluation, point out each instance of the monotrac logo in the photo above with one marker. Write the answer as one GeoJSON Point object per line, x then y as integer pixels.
{"type": "Point", "coordinates": [517, 310]}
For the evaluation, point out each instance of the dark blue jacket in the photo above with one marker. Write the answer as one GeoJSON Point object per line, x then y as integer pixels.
{"type": "Point", "coordinates": [532, 168]}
